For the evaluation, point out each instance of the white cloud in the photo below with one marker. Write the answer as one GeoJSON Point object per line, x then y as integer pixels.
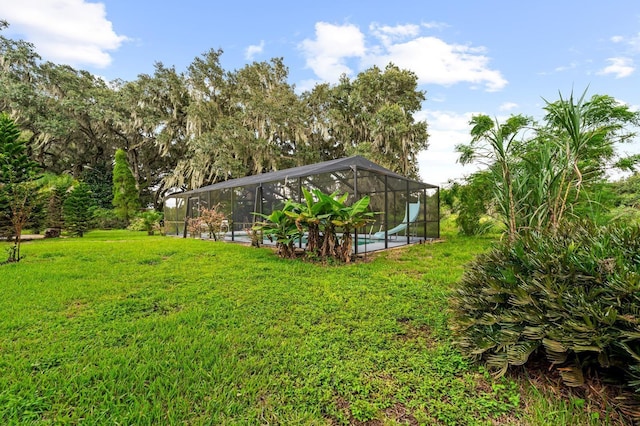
{"type": "Point", "coordinates": [437, 62]}
{"type": "Point", "coordinates": [508, 106]}
{"type": "Point", "coordinates": [439, 163]}
{"type": "Point", "coordinates": [253, 50]}
{"type": "Point", "coordinates": [72, 32]}
{"type": "Point", "coordinates": [306, 85]}
{"type": "Point", "coordinates": [387, 34]}
{"type": "Point", "coordinates": [634, 42]}
{"type": "Point", "coordinates": [619, 67]}
{"type": "Point", "coordinates": [434, 25]}
{"type": "Point", "coordinates": [433, 60]}
{"type": "Point", "coordinates": [326, 54]}
{"type": "Point", "coordinates": [571, 66]}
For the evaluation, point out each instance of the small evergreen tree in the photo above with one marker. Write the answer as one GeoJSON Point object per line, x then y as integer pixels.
{"type": "Point", "coordinates": [126, 199]}
{"type": "Point", "coordinates": [17, 175]}
{"type": "Point", "coordinates": [77, 210]}
{"type": "Point", "coordinates": [100, 181]}
{"type": "Point", "coordinates": [54, 208]}
{"type": "Point", "coordinates": [53, 191]}
{"type": "Point", "coordinates": [38, 217]}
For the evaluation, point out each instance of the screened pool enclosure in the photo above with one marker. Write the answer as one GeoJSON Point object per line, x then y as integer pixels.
{"type": "Point", "coordinates": [408, 209]}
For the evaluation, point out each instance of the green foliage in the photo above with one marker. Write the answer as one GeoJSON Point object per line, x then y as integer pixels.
{"type": "Point", "coordinates": [349, 218]}
{"type": "Point", "coordinates": [281, 228]}
{"type": "Point", "coordinates": [317, 219]}
{"type": "Point", "coordinates": [557, 174]}
{"type": "Point", "coordinates": [150, 221]}
{"type": "Point", "coordinates": [572, 296]}
{"type": "Point", "coordinates": [628, 190]}
{"type": "Point", "coordinates": [496, 145]}
{"type": "Point", "coordinates": [37, 221]}
{"type": "Point", "coordinates": [18, 195]}
{"type": "Point", "coordinates": [102, 218]}
{"type": "Point", "coordinates": [309, 215]}
{"type": "Point", "coordinates": [77, 210]}
{"type": "Point", "coordinates": [15, 164]}
{"type": "Point", "coordinates": [125, 194]}
{"type": "Point", "coordinates": [54, 189]}
{"type": "Point", "coordinates": [373, 115]}
{"type": "Point", "coordinates": [99, 178]}
{"type": "Point", "coordinates": [627, 197]}
{"type": "Point", "coordinates": [559, 285]}
{"type": "Point", "coordinates": [472, 203]}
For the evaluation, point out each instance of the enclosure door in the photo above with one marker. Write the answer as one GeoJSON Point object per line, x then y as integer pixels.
{"type": "Point", "coordinates": [194, 207]}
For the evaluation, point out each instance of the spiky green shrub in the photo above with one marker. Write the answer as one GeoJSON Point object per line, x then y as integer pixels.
{"type": "Point", "coordinates": [573, 296]}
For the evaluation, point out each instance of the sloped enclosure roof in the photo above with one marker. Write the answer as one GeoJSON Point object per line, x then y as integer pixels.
{"type": "Point", "coordinates": [342, 164]}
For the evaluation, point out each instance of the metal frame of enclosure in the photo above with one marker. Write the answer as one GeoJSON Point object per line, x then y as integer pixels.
{"type": "Point", "coordinates": [391, 195]}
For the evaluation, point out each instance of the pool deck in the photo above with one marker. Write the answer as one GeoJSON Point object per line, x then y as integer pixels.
{"type": "Point", "coordinates": [365, 246]}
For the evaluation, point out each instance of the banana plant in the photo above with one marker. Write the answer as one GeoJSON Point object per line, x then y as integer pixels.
{"type": "Point", "coordinates": [309, 216]}
{"type": "Point", "coordinates": [350, 218]}
{"type": "Point", "coordinates": [281, 228]}
{"type": "Point", "coordinates": [332, 205]}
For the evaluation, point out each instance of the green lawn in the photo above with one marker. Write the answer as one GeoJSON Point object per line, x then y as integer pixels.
{"type": "Point", "coordinates": [121, 328]}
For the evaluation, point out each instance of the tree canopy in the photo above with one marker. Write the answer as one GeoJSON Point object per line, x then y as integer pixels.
{"type": "Point", "coordinates": [182, 130]}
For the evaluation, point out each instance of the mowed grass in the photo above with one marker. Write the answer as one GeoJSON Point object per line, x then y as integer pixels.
{"type": "Point", "coordinates": [122, 328]}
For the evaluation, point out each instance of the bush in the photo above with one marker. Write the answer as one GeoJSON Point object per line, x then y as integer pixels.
{"type": "Point", "coordinates": [150, 221]}
{"type": "Point", "coordinates": [473, 204]}
{"type": "Point", "coordinates": [317, 220]}
{"type": "Point", "coordinates": [102, 218]}
{"type": "Point", "coordinates": [136, 224]}
{"type": "Point", "coordinates": [214, 221]}
{"type": "Point", "coordinates": [573, 296]}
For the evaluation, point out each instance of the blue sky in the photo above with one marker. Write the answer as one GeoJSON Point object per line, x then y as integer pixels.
{"type": "Point", "coordinates": [493, 57]}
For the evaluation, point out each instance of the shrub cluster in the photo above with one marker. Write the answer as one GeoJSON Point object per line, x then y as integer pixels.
{"type": "Point", "coordinates": [572, 296]}
{"type": "Point", "coordinates": [149, 221]}
{"type": "Point", "coordinates": [210, 220]}
{"type": "Point", "coordinates": [102, 218]}
{"type": "Point", "coordinates": [324, 222]}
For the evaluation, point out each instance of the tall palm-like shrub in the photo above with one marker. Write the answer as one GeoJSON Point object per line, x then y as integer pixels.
{"type": "Point", "coordinates": [546, 179]}
{"type": "Point", "coordinates": [496, 145]}
{"type": "Point", "coordinates": [576, 149]}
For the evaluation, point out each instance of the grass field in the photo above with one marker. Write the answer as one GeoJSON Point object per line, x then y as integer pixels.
{"type": "Point", "coordinates": [122, 328]}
